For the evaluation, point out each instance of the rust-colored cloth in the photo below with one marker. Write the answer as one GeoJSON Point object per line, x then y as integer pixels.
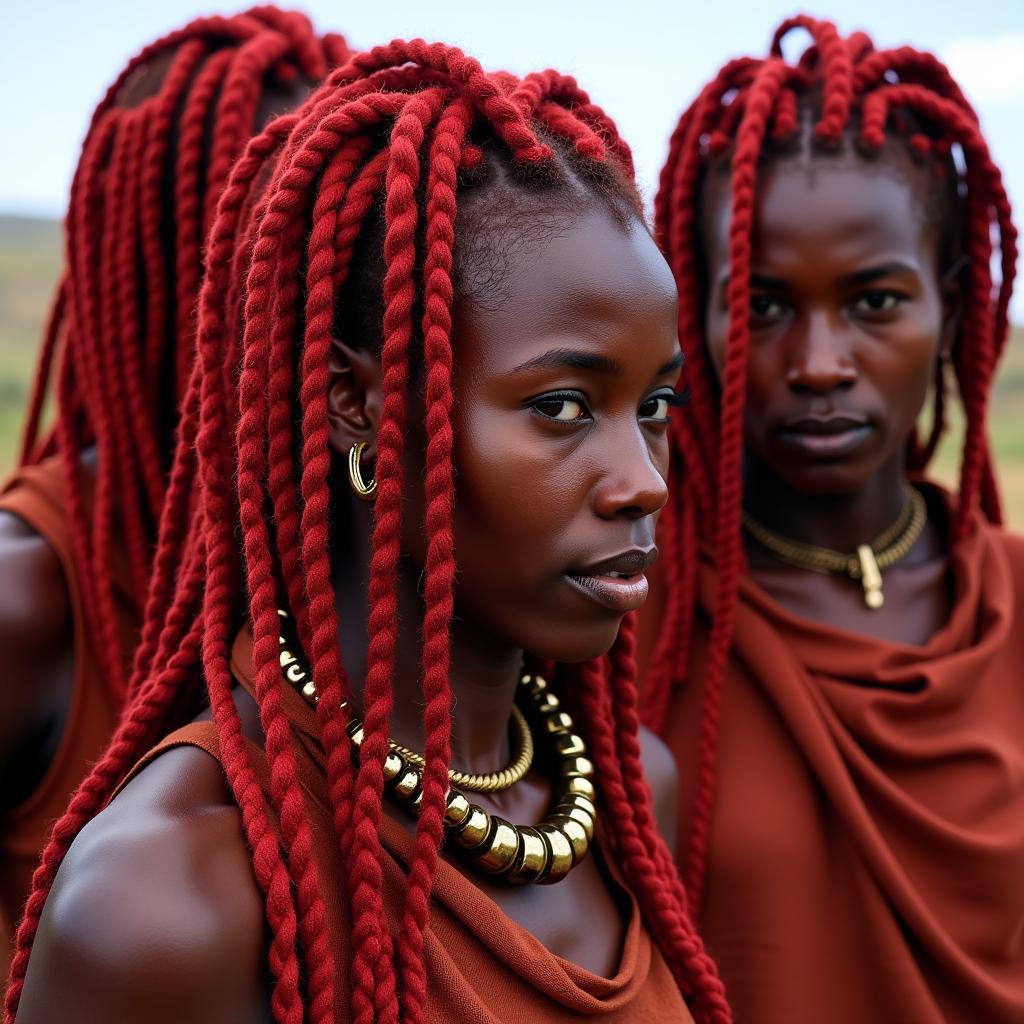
{"type": "Point", "coordinates": [866, 860]}
{"type": "Point", "coordinates": [35, 494]}
{"type": "Point", "coordinates": [482, 967]}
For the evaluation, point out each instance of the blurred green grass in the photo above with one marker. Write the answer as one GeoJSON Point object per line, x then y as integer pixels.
{"type": "Point", "coordinates": [30, 257]}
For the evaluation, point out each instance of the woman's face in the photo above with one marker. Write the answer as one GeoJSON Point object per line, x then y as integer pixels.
{"type": "Point", "coordinates": [564, 386]}
{"type": "Point", "coordinates": [846, 314]}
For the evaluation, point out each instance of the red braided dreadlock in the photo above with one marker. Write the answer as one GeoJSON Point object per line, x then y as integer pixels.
{"type": "Point", "coordinates": [749, 110]}
{"type": "Point", "coordinates": [403, 127]}
{"type": "Point", "coordinates": [123, 320]}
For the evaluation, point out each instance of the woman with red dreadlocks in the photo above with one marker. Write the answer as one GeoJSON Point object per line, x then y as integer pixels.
{"type": "Point", "coordinates": [428, 422]}
{"type": "Point", "coordinates": [837, 661]}
{"type": "Point", "coordinates": [78, 519]}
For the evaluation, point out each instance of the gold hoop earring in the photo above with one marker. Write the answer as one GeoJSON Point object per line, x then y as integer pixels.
{"type": "Point", "coordinates": [364, 490]}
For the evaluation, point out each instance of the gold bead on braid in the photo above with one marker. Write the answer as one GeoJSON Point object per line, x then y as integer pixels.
{"type": "Point", "coordinates": [867, 563]}
{"type": "Point", "coordinates": [542, 853]}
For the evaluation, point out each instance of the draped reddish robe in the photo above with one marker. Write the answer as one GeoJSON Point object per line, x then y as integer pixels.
{"type": "Point", "coordinates": [482, 967]}
{"type": "Point", "coordinates": [866, 858]}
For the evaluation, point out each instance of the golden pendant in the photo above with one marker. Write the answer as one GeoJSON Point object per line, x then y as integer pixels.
{"type": "Point", "coordinates": [870, 577]}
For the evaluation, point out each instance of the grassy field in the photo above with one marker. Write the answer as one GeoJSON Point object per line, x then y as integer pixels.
{"type": "Point", "coordinates": [30, 261]}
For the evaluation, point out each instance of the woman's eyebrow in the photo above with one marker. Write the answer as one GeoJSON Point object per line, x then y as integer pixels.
{"type": "Point", "coordinates": [571, 359]}
{"type": "Point", "coordinates": [674, 364]}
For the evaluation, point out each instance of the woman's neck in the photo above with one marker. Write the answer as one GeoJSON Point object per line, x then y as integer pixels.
{"type": "Point", "coordinates": [483, 673]}
{"type": "Point", "coordinates": [840, 522]}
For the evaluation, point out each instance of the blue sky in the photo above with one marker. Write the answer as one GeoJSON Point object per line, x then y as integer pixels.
{"type": "Point", "coordinates": [641, 60]}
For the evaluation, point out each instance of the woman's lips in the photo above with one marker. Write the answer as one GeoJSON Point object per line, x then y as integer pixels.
{"type": "Point", "coordinates": [616, 593]}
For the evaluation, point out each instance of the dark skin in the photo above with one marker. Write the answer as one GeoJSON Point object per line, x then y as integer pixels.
{"type": "Point", "coordinates": [36, 643]}
{"type": "Point", "coordinates": [561, 465]}
{"type": "Point", "coordinates": [849, 312]}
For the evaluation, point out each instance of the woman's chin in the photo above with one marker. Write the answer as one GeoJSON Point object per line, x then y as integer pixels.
{"type": "Point", "coordinates": [575, 645]}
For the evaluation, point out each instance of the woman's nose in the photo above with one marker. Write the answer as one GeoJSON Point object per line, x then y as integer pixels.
{"type": "Point", "coordinates": [632, 484]}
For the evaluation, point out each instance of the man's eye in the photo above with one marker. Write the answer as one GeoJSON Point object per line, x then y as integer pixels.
{"type": "Point", "coordinates": [877, 302]}
{"type": "Point", "coordinates": [765, 308]}
{"type": "Point", "coordinates": [560, 407]}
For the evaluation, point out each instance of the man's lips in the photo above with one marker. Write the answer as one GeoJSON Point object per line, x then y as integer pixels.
{"type": "Point", "coordinates": [617, 583]}
{"type": "Point", "coordinates": [823, 426]}
{"type": "Point", "coordinates": [825, 437]}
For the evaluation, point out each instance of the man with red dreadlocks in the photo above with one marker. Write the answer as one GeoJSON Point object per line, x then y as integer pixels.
{"type": "Point", "coordinates": [78, 519]}
{"type": "Point", "coordinates": [835, 655]}
{"type": "Point", "coordinates": [428, 423]}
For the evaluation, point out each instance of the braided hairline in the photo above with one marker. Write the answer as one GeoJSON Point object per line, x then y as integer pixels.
{"type": "Point", "coordinates": [751, 108]}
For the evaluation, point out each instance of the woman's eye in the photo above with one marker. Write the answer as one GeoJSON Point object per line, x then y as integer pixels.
{"type": "Point", "coordinates": [762, 307]}
{"type": "Point", "coordinates": [877, 302]}
{"type": "Point", "coordinates": [656, 407]}
{"type": "Point", "coordinates": [560, 407]}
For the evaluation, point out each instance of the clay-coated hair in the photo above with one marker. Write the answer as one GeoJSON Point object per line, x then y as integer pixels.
{"type": "Point", "coordinates": [747, 114]}
{"type": "Point", "coordinates": [120, 340]}
{"type": "Point", "coordinates": [407, 128]}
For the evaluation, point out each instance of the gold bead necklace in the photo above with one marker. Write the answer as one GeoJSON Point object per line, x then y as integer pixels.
{"type": "Point", "coordinates": [867, 563]}
{"type": "Point", "coordinates": [542, 853]}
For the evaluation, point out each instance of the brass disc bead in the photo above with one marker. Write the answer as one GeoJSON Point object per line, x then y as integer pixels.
{"type": "Point", "coordinates": [569, 745]}
{"type": "Point", "coordinates": [474, 830]}
{"type": "Point", "coordinates": [574, 832]}
{"type": "Point", "coordinates": [534, 857]}
{"type": "Point", "coordinates": [458, 809]}
{"type": "Point", "coordinates": [557, 722]}
{"type": "Point", "coordinates": [582, 767]}
{"type": "Point", "coordinates": [500, 848]}
{"type": "Point", "coordinates": [561, 850]}
{"type": "Point", "coordinates": [579, 785]}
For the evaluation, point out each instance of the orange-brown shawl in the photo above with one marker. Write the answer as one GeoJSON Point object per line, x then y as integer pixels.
{"type": "Point", "coordinates": [866, 860]}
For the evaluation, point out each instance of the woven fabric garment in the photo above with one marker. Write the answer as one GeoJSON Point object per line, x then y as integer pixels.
{"type": "Point", "coordinates": [866, 857]}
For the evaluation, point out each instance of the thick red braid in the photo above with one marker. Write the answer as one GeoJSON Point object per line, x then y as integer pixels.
{"type": "Point", "coordinates": [750, 106]}
{"type": "Point", "coordinates": [126, 299]}
{"type": "Point", "coordinates": [123, 323]}
{"type": "Point", "coordinates": [391, 129]}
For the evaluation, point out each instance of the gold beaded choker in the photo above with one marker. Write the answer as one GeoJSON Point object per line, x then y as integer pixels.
{"type": "Point", "coordinates": [493, 782]}
{"type": "Point", "coordinates": [867, 563]}
{"type": "Point", "coordinates": [542, 853]}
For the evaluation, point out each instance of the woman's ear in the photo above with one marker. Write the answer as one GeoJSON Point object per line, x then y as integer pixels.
{"type": "Point", "coordinates": [952, 293]}
{"type": "Point", "coordinates": [354, 397]}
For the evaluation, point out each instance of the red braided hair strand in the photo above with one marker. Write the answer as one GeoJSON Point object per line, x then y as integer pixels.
{"type": "Point", "coordinates": [133, 270]}
{"type": "Point", "coordinates": [110, 322]}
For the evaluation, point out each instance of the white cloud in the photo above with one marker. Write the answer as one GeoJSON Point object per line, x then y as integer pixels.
{"type": "Point", "coordinates": [989, 68]}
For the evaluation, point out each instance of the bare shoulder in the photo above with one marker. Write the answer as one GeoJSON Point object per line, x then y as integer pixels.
{"type": "Point", "coordinates": [34, 605]}
{"type": "Point", "coordinates": [660, 769]}
{"type": "Point", "coordinates": [37, 646]}
{"type": "Point", "coordinates": [155, 914]}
